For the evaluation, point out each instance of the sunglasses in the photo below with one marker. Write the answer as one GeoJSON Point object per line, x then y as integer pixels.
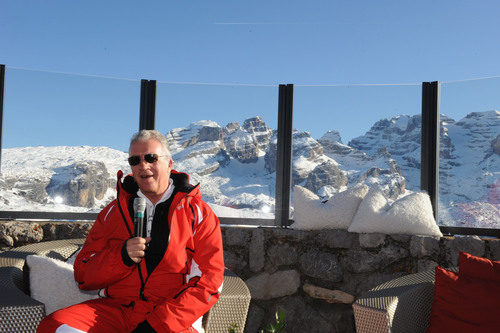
{"type": "Point", "coordinates": [150, 158]}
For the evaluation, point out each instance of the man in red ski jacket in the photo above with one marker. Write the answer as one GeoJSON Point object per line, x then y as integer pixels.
{"type": "Point", "coordinates": [164, 282]}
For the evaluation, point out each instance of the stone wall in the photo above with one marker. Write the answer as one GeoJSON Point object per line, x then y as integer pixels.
{"type": "Point", "coordinates": [303, 271]}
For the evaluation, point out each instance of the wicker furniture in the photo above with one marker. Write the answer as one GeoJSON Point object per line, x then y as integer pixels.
{"type": "Point", "coordinates": [20, 313]}
{"type": "Point", "coordinates": [400, 305]}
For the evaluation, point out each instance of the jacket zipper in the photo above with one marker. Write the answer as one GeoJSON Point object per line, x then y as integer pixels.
{"type": "Point", "coordinates": [143, 282]}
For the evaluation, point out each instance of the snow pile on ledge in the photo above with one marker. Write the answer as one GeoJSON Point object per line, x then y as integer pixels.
{"type": "Point", "coordinates": [362, 210]}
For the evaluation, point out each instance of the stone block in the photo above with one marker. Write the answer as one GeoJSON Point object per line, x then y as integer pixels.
{"type": "Point", "coordinates": [270, 267]}
{"type": "Point", "coordinates": [19, 233]}
{"type": "Point", "coordinates": [234, 261]}
{"type": "Point", "coordinates": [495, 249]}
{"type": "Point", "coordinates": [401, 238]}
{"type": "Point", "coordinates": [6, 240]}
{"type": "Point", "coordinates": [424, 246]}
{"type": "Point", "coordinates": [72, 230]}
{"type": "Point", "coordinates": [391, 254]}
{"type": "Point", "coordinates": [236, 236]}
{"type": "Point", "coordinates": [254, 318]}
{"type": "Point", "coordinates": [360, 261]}
{"type": "Point", "coordinates": [257, 251]}
{"type": "Point", "coordinates": [267, 286]}
{"type": "Point", "coordinates": [426, 265]}
{"type": "Point", "coordinates": [282, 254]}
{"type": "Point", "coordinates": [328, 295]}
{"type": "Point", "coordinates": [335, 239]}
{"type": "Point", "coordinates": [49, 232]}
{"type": "Point", "coordinates": [290, 234]}
{"type": "Point", "coordinates": [321, 265]}
{"type": "Point", "coordinates": [470, 244]}
{"type": "Point", "coordinates": [371, 240]}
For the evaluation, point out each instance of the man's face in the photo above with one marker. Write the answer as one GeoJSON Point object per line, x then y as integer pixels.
{"type": "Point", "coordinates": [152, 178]}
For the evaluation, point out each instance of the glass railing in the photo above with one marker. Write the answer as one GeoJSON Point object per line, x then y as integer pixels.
{"type": "Point", "coordinates": [224, 137]}
{"type": "Point", "coordinates": [64, 139]}
{"type": "Point", "coordinates": [350, 135]}
{"type": "Point", "coordinates": [469, 164]}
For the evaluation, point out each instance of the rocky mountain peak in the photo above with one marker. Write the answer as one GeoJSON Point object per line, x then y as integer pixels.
{"type": "Point", "coordinates": [242, 146]}
{"type": "Point", "coordinates": [199, 131]}
{"type": "Point", "coordinates": [231, 127]}
{"type": "Point", "coordinates": [390, 134]}
{"type": "Point", "coordinates": [255, 124]}
{"type": "Point", "coordinates": [305, 145]}
{"type": "Point", "coordinates": [210, 133]}
{"type": "Point", "coordinates": [331, 136]}
{"type": "Point", "coordinates": [80, 184]}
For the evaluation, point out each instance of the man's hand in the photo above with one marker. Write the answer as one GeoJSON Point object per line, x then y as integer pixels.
{"type": "Point", "coordinates": [136, 248]}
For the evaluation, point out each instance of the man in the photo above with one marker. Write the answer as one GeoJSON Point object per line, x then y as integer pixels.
{"type": "Point", "coordinates": [163, 282]}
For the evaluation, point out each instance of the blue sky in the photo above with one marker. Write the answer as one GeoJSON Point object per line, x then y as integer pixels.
{"type": "Point", "coordinates": [261, 43]}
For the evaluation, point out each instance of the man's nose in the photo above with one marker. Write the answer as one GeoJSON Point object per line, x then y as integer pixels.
{"type": "Point", "coordinates": [143, 164]}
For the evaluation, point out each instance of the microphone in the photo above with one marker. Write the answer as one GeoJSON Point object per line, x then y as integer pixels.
{"type": "Point", "coordinates": [139, 209]}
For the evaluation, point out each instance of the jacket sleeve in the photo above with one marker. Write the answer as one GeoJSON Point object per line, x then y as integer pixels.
{"type": "Point", "coordinates": [200, 293]}
{"type": "Point", "coordinates": [99, 263]}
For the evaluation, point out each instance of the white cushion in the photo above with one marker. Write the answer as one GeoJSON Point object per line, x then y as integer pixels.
{"type": "Point", "coordinates": [71, 260]}
{"type": "Point", "coordinates": [52, 283]}
{"type": "Point", "coordinates": [336, 213]}
{"type": "Point", "coordinates": [411, 215]}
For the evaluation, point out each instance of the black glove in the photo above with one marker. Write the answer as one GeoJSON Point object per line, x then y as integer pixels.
{"type": "Point", "coordinates": [144, 327]}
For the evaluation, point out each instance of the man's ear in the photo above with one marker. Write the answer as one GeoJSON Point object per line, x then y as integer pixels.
{"type": "Point", "coordinates": [170, 163]}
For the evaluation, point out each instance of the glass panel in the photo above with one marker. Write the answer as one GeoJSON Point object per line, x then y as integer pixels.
{"type": "Point", "coordinates": [65, 138]}
{"type": "Point", "coordinates": [223, 137]}
{"type": "Point", "coordinates": [352, 135]}
{"type": "Point", "coordinates": [469, 165]}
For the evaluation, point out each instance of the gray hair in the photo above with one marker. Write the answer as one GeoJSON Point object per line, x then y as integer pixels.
{"type": "Point", "coordinates": [146, 135]}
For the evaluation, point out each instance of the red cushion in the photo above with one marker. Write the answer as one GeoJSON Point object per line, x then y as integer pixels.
{"type": "Point", "coordinates": [479, 268]}
{"type": "Point", "coordinates": [464, 304]}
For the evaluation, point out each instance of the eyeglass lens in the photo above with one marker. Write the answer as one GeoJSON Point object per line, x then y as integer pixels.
{"type": "Point", "coordinates": [136, 159]}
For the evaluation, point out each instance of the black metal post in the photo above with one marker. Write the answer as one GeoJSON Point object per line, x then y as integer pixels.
{"type": "Point", "coordinates": [429, 159]}
{"type": "Point", "coordinates": [2, 88]}
{"type": "Point", "coordinates": [284, 155]}
{"type": "Point", "coordinates": [148, 105]}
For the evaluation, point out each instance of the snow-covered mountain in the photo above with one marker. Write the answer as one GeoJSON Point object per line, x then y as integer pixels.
{"type": "Point", "coordinates": [59, 178]}
{"type": "Point", "coordinates": [469, 163]}
{"type": "Point", "coordinates": [470, 170]}
{"type": "Point", "coordinates": [236, 166]}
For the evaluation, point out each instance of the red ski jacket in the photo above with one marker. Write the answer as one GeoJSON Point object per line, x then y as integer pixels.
{"type": "Point", "coordinates": [187, 281]}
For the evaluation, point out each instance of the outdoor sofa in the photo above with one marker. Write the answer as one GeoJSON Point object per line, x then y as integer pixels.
{"type": "Point", "coordinates": [400, 305]}
{"type": "Point", "coordinates": [21, 313]}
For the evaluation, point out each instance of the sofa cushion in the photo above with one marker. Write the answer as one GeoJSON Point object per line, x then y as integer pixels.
{"type": "Point", "coordinates": [479, 268]}
{"type": "Point", "coordinates": [72, 258]}
{"type": "Point", "coordinates": [52, 283]}
{"type": "Point", "coordinates": [464, 304]}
